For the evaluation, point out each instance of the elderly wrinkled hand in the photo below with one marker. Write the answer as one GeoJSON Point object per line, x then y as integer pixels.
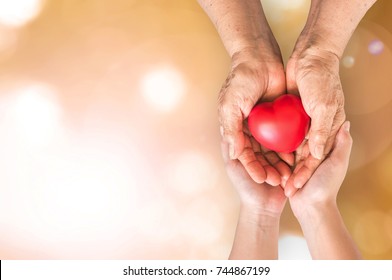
{"type": "Point", "coordinates": [252, 79]}
{"type": "Point", "coordinates": [314, 74]}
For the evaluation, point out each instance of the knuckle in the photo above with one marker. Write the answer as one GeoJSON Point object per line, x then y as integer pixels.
{"type": "Point", "coordinates": [327, 108]}
{"type": "Point", "coordinates": [320, 136]}
{"type": "Point", "coordinates": [229, 115]}
{"type": "Point", "coordinates": [231, 124]}
{"type": "Point", "coordinates": [228, 135]}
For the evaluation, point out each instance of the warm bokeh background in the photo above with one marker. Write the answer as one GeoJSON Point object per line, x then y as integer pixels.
{"type": "Point", "coordinates": [109, 142]}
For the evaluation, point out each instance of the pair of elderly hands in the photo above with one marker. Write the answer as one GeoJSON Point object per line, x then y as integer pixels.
{"type": "Point", "coordinates": [258, 76]}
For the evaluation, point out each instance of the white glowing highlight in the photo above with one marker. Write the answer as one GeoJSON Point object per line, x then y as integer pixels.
{"type": "Point", "coordinates": [78, 194]}
{"type": "Point", "coordinates": [163, 88]}
{"type": "Point", "coordinates": [34, 115]}
{"type": "Point", "coordinates": [86, 189]}
{"type": "Point", "coordinates": [288, 4]}
{"type": "Point", "coordinates": [376, 47]}
{"type": "Point", "coordinates": [16, 13]}
{"type": "Point", "coordinates": [293, 248]}
{"type": "Point", "coordinates": [348, 61]}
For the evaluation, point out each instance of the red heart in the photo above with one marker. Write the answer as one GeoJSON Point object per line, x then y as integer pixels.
{"type": "Point", "coordinates": [280, 125]}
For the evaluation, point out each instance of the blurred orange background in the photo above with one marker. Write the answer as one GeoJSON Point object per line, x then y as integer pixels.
{"type": "Point", "coordinates": [109, 134]}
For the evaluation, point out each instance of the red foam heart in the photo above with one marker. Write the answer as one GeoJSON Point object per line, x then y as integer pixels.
{"type": "Point", "coordinates": [280, 125]}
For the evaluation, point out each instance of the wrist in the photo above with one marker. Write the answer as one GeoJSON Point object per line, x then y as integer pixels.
{"type": "Point", "coordinates": [331, 24]}
{"type": "Point", "coordinates": [314, 57]}
{"type": "Point", "coordinates": [260, 50]}
{"type": "Point", "coordinates": [314, 213]}
{"type": "Point", "coordinates": [260, 217]}
{"type": "Point", "coordinates": [319, 40]}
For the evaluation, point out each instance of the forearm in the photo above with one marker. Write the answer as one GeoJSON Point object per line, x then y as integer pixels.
{"type": "Point", "coordinates": [326, 235]}
{"type": "Point", "coordinates": [256, 236]}
{"type": "Point", "coordinates": [241, 25]}
{"type": "Point", "coordinates": [331, 23]}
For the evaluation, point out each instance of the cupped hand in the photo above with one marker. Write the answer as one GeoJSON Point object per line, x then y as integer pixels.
{"type": "Point", "coordinates": [323, 186]}
{"type": "Point", "coordinates": [262, 198]}
{"type": "Point", "coordinates": [253, 77]}
{"type": "Point", "coordinates": [314, 74]}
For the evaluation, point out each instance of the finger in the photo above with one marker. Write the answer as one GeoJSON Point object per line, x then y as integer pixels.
{"type": "Point", "coordinates": [340, 154]}
{"type": "Point", "coordinates": [284, 171]}
{"type": "Point", "coordinates": [320, 129]}
{"type": "Point", "coordinates": [291, 82]}
{"type": "Point", "coordinates": [245, 127]}
{"type": "Point", "coordinates": [231, 119]}
{"type": "Point", "coordinates": [252, 165]}
{"type": "Point", "coordinates": [303, 175]}
{"type": "Point", "coordinates": [298, 166]}
{"type": "Point", "coordinates": [255, 145]}
{"type": "Point", "coordinates": [280, 166]}
{"type": "Point", "coordinates": [288, 158]}
{"type": "Point", "coordinates": [302, 172]}
{"type": "Point", "coordinates": [289, 189]}
{"type": "Point", "coordinates": [340, 118]}
{"type": "Point", "coordinates": [302, 151]}
{"type": "Point", "coordinates": [273, 176]}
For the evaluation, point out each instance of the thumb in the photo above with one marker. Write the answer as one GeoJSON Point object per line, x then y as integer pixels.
{"type": "Point", "coordinates": [320, 129]}
{"type": "Point", "coordinates": [291, 82]}
{"type": "Point", "coordinates": [342, 147]}
{"type": "Point", "coordinates": [231, 120]}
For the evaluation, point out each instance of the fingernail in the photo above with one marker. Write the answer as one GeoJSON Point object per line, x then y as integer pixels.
{"type": "Point", "coordinates": [319, 151]}
{"type": "Point", "coordinates": [221, 130]}
{"type": "Point", "coordinates": [346, 126]}
{"type": "Point", "coordinates": [231, 151]}
{"type": "Point", "coordinates": [283, 183]}
{"type": "Point", "coordinates": [297, 185]}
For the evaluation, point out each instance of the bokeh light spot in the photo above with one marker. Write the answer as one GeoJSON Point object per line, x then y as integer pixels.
{"type": "Point", "coordinates": [34, 114]}
{"type": "Point", "coordinates": [348, 61]}
{"type": "Point", "coordinates": [163, 88]}
{"type": "Point", "coordinates": [19, 12]}
{"type": "Point", "coordinates": [376, 47]}
{"type": "Point", "coordinates": [289, 4]}
{"type": "Point", "coordinates": [293, 248]}
{"type": "Point", "coordinates": [358, 81]}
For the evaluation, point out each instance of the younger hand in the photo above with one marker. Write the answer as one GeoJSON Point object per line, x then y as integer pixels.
{"type": "Point", "coordinates": [323, 186]}
{"type": "Point", "coordinates": [263, 199]}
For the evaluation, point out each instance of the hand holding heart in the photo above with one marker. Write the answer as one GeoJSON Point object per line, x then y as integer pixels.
{"type": "Point", "coordinates": [251, 80]}
{"type": "Point", "coordinates": [314, 76]}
